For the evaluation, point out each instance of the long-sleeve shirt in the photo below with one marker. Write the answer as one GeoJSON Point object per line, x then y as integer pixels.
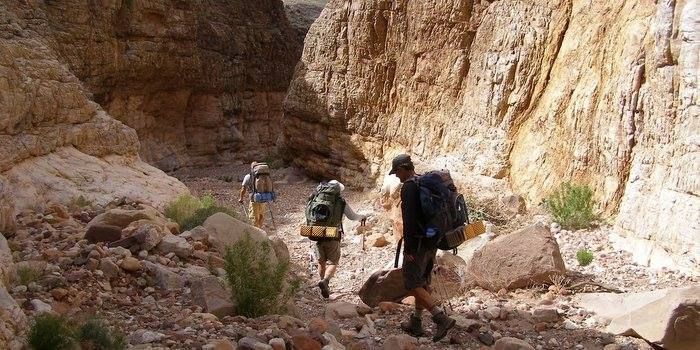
{"type": "Point", "coordinates": [413, 220]}
{"type": "Point", "coordinates": [350, 214]}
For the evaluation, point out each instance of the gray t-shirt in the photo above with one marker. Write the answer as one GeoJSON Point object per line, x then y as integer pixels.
{"type": "Point", "coordinates": [247, 184]}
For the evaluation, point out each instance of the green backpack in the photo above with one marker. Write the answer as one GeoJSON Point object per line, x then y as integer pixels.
{"type": "Point", "coordinates": [325, 207]}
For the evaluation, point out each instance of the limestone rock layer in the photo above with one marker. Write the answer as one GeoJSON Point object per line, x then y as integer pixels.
{"type": "Point", "coordinates": [531, 92]}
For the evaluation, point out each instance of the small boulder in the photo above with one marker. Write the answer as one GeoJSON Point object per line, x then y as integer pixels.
{"type": "Point", "coordinates": [377, 240]}
{"type": "Point", "coordinates": [400, 342]}
{"type": "Point", "coordinates": [124, 217]}
{"type": "Point", "coordinates": [221, 344]}
{"type": "Point", "coordinates": [165, 278]}
{"type": "Point", "coordinates": [545, 315]}
{"type": "Point", "coordinates": [208, 293]}
{"type": "Point", "coordinates": [146, 233]}
{"type": "Point", "coordinates": [175, 244]}
{"type": "Point", "coordinates": [305, 342]}
{"type": "Point", "coordinates": [277, 344]}
{"type": "Point", "coordinates": [40, 307]}
{"type": "Point", "coordinates": [509, 343]}
{"type": "Point", "coordinates": [131, 264]}
{"type": "Point", "coordinates": [250, 343]}
{"type": "Point", "coordinates": [143, 336]}
{"type": "Point", "coordinates": [199, 234]}
{"type": "Point", "coordinates": [340, 310]}
{"type": "Point", "coordinates": [103, 233]}
{"type": "Point", "coordinates": [109, 268]}
{"type": "Point", "coordinates": [517, 260]}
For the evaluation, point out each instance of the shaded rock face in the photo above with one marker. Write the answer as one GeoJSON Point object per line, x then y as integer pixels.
{"type": "Point", "coordinates": [200, 81]}
{"type": "Point", "coordinates": [533, 93]}
{"type": "Point", "coordinates": [56, 144]}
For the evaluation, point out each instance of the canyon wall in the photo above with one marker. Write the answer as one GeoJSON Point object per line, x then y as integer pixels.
{"type": "Point", "coordinates": [530, 93]}
{"type": "Point", "coordinates": [202, 82]}
{"type": "Point", "coordinates": [56, 144]}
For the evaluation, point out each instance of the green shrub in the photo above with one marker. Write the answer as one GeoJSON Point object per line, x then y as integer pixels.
{"type": "Point", "coordinates": [584, 257]}
{"type": "Point", "coordinates": [201, 215]}
{"type": "Point", "coordinates": [27, 275]}
{"type": "Point", "coordinates": [80, 203]}
{"type": "Point", "coordinates": [189, 211]}
{"type": "Point", "coordinates": [182, 208]}
{"type": "Point", "coordinates": [572, 206]}
{"type": "Point", "coordinates": [94, 334]}
{"type": "Point", "coordinates": [258, 286]}
{"type": "Point", "coordinates": [49, 332]}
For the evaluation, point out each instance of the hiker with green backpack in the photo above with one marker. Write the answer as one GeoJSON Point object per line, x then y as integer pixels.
{"type": "Point", "coordinates": [434, 217]}
{"type": "Point", "coordinates": [324, 224]}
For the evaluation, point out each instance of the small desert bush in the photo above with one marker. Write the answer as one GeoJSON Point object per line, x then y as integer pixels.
{"type": "Point", "coordinates": [50, 332]}
{"type": "Point", "coordinates": [258, 286]}
{"type": "Point", "coordinates": [94, 334]}
{"type": "Point", "coordinates": [572, 206]}
{"type": "Point", "coordinates": [584, 257]}
{"type": "Point", "coordinates": [53, 332]}
{"type": "Point", "coordinates": [80, 203]}
{"type": "Point", "coordinates": [27, 275]}
{"type": "Point", "coordinates": [189, 211]}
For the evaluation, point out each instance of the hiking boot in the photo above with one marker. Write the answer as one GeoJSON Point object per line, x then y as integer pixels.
{"type": "Point", "coordinates": [325, 291]}
{"type": "Point", "coordinates": [443, 324]}
{"type": "Point", "coordinates": [414, 326]}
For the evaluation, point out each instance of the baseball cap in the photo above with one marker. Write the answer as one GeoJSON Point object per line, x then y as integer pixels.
{"type": "Point", "coordinates": [398, 161]}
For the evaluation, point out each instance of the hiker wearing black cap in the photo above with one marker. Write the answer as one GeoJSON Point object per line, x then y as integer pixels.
{"type": "Point", "coordinates": [418, 255]}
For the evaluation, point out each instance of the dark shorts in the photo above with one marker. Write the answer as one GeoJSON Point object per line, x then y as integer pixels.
{"type": "Point", "coordinates": [417, 273]}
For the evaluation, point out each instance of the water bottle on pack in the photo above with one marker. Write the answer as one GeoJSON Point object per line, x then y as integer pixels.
{"type": "Point", "coordinates": [430, 232]}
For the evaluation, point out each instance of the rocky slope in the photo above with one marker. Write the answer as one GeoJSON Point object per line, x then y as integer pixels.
{"type": "Point", "coordinates": [56, 144]}
{"type": "Point", "coordinates": [530, 92]}
{"type": "Point", "coordinates": [200, 81]}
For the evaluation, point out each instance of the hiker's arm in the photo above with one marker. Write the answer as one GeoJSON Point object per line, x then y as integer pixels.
{"type": "Point", "coordinates": [246, 179]}
{"type": "Point", "coordinates": [410, 206]}
{"type": "Point", "coordinates": [350, 214]}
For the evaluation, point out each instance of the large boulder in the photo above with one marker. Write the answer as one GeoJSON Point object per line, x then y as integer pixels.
{"type": "Point", "coordinates": [12, 320]}
{"type": "Point", "coordinates": [526, 257]}
{"type": "Point", "coordinates": [225, 231]}
{"type": "Point", "coordinates": [124, 217]}
{"type": "Point", "coordinates": [670, 318]}
{"type": "Point", "coordinates": [384, 285]}
{"type": "Point", "coordinates": [208, 293]}
{"type": "Point", "coordinates": [7, 211]}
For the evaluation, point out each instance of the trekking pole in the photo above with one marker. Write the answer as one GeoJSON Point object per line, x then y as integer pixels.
{"type": "Point", "coordinates": [362, 224]}
{"type": "Point", "coordinates": [245, 212]}
{"type": "Point", "coordinates": [443, 291]}
{"type": "Point", "coordinates": [272, 217]}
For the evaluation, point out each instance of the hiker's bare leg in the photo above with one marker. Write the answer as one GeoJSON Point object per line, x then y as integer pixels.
{"type": "Point", "coordinates": [321, 269]}
{"type": "Point", "coordinates": [329, 272]}
{"type": "Point", "coordinates": [423, 298]}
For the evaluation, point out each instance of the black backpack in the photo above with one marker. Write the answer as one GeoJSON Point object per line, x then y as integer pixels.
{"type": "Point", "coordinates": [444, 210]}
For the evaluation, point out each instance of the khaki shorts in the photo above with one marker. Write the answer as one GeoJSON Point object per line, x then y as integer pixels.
{"type": "Point", "coordinates": [256, 212]}
{"type": "Point", "coordinates": [328, 251]}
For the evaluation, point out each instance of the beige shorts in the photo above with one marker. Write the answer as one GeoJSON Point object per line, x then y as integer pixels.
{"type": "Point", "coordinates": [328, 252]}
